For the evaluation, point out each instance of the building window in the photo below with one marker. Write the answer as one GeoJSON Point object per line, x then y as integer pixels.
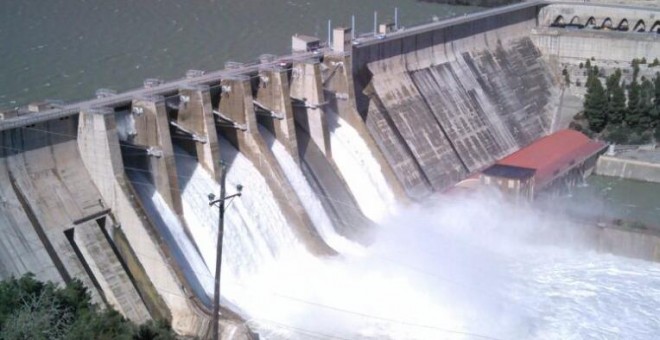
{"type": "Point", "coordinates": [512, 184]}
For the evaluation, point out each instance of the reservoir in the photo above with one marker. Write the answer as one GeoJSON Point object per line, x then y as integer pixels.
{"type": "Point", "coordinates": [117, 44]}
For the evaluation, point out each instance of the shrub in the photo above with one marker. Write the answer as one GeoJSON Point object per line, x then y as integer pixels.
{"type": "Point", "coordinates": [618, 134]}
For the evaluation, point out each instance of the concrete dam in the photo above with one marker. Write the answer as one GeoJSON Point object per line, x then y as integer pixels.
{"type": "Point", "coordinates": [326, 142]}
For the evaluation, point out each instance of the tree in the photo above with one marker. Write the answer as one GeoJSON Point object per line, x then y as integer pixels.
{"type": "Point", "coordinates": [30, 309]}
{"type": "Point", "coordinates": [656, 100]}
{"type": "Point", "coordinates": [616, 106]}
{"type": "Point", "coordinates": [633, 113]}
{"type": "Point", "coordinates": [635, 70]}
{"type": "Point", "coordinates": [646, 104]}
{"type": "Point", "coordinates": [595, 104]}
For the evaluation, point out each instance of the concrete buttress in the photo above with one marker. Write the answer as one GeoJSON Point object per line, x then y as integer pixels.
{"type": "Point", "coordinates": [273, 94]}
{"type": "Point", "coordinates": [153, 132]}
{"type": "Point", "coordinates": [162, 286]}
{"type": "Point", "coordinates": [309, 107]}
{"type": "Point", "coordinates": [237, 104]}
{"type": "Point", "coordinates": [195, 115]}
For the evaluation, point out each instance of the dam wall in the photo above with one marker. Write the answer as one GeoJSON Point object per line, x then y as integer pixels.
{"type": "Point", "coordinates": [444, 102]}
{"type": "Point", "coordinates": [434, 104]}
{"type": "Point", "coordinates": [236, 103]}
{"type": "Point", "coordinates": [62, 205]}
{"type": "Point", "coordinates": [99, 147]}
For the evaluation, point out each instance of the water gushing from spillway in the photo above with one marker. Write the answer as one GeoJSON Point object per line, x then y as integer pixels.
{"type": "Point", "coordinates": [460, 268]}
{"type": "Point", "coordinates": [361, 171]}
{"type": "Point", "coordinates": [169, 226]}
{"type": "Point", "coordinates": [308, 197]}
{"type": "Point", "coordinates": [255, 233]}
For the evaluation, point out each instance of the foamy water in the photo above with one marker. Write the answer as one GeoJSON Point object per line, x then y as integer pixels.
{"type": "Point", "coordinates": [465, 268]}
{"type": "Point", "coordinates": [454, 268]}
{"type": "Point", "coordinates": [361, 172]}
{"type": "Point", "coordinates": [308, 197]}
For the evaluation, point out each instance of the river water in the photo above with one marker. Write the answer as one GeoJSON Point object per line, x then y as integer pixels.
{"type": "Point", "coordinates": [609, 198]}
{"type": "Point", "coordinates": [66, 49]}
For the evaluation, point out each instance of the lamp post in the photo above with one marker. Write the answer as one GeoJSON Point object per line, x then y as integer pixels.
{"type": "Point", "coordinates": [218, 260]}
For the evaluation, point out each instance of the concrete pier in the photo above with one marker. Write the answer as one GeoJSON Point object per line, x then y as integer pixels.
{"type": "Point", "coordinates": [195, 115]}
{"type": "Point", "coordinates": [273, 92]}
{"type": "Point", "coordinates": [236, 103]}
{"type": "Point", "coordinates": [310, 104]}
{"type": "Point", "coordinates": [153, 133]}
{"type": "Point", "coordinates": [160, 284]}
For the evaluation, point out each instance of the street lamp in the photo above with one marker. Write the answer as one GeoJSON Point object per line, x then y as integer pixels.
{"type": "Point", "coordinates": [218, 260]}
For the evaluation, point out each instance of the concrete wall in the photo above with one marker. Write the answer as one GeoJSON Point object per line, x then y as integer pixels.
{"type": "Point", "coordinates": [99, 147]}
{"type": "Point", "coordinates": [446, 102]}
{"type": "Point", "coordinates": [309, 108]}
{"type": "Point", "coordinates": [273, 90]}
{"type": "Point", "coordinates": [610, 15]}
{"type": "Point", "coordinates": [584, 44]}
{"type": "Point", "coordinates": [339, 91]}
{"type": "Point", "coordinates": [54, 191]}
{"type": "Point", "coordinates": [153, 131]}
{"type": "Point", "coordinates": [236, 102]}
{"type": "Point", "coordinates": [196, 117]}
{"type": "Point", "coordinates": [100, 259]}
{"type": "Point", "coordinates": [628, 168]}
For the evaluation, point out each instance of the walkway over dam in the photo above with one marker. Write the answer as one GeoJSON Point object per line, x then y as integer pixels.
{"type": "Point", "coordinates": [416, 109]}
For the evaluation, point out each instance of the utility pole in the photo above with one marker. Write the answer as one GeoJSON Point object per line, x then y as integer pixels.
{"type": "Point", "coordinates": [218, 259]}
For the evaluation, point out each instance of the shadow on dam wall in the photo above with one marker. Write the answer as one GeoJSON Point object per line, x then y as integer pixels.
{"type": "Point", "coordinates": [442, 104]}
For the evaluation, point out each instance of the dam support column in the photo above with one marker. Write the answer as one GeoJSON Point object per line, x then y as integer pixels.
{"type": "Point", "coordinates": [273, 96]}
{"type": "Point", "coordinates": [236, 103]}
{"type": "Point", "coordinates": [153, 132]}
{"type": "Point", "coordinates": [309, 102]}
{"type": "Point", "coordinates": [195, 115]}
{"type": "Point", "coordinates": [157, 279]}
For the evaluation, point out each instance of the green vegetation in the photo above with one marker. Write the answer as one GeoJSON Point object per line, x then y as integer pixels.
{"type": "Point", "coordinates": [618, 112]}
{"type": "Point", "coordinates": [30, 309]}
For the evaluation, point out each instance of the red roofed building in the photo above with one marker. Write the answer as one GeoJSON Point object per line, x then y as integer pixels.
{"type": "Point", "coordinates": [560, 158]}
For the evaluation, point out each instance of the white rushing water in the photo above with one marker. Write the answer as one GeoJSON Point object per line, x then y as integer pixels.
{"type": "Point", "coordinates": [255, 230]}
{"type": "Point", "coordinates": [460, 268]}
{"type": "Point", "coordinates": [308, 197]}
{"type": "Point", "coordinates": [172, 230]}
{"type": "Point", "coordinates": [361, 171]}
{"type": "Point", "coordinates": [125, 125]}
